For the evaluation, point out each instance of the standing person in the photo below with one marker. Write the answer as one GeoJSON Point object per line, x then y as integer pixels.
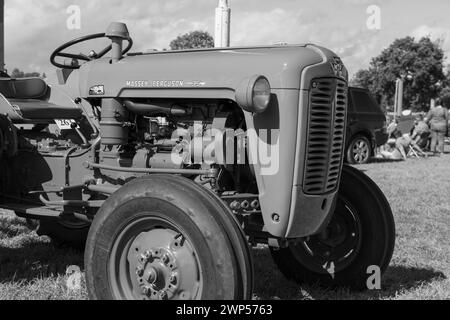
{"type": "Point", "coordinates": [438, 119]}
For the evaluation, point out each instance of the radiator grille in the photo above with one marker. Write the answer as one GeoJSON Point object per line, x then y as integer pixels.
{"type": "Point", "coordinates": [326, 135]}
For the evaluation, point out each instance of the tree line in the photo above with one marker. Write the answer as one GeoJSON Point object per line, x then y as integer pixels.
{"type": "Point", "coordinates": [422, 65]}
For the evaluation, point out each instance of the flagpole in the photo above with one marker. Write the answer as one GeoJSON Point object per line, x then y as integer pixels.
{"type": "Point", "coordinates": [222, 28]}
{"type": "Point", "coordinates": [2, 35]}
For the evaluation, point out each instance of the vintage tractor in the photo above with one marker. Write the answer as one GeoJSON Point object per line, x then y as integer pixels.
{"type": "Point", "coordinates": [169, 166]}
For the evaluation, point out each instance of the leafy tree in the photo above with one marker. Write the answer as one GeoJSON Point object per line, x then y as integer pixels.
{"type": "Point", "coordinates": [193, 40]}
{"type": "Point", "coordinates": [16, 73]}
{"type": "Point", "coordinates": [423, 59]}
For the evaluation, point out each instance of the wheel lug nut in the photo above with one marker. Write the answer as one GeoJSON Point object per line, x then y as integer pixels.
{"type": "Point", "coordinates": [147, 255]}
{"type": "Point", "coordinates": [173, 279]}
{"type": "Point", "coordinates": [163, 295]}
{"type": "Point", "coordinates": [166, 259]}
{"type": "Point", "coordinates": [139, 271]}
{"type": "Point", "coordinates": [147, 291]}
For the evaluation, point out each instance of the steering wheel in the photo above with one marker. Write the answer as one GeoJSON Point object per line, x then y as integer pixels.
{"type": "Point", "coordinates": [59, 51]}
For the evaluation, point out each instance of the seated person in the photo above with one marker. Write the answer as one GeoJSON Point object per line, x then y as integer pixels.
{"type": "Point", "coordinates": [394, 151]}
{"type": "Point", "coordinates": [399, 149]}
{"type": "Point", "coordinates": [392, 128]}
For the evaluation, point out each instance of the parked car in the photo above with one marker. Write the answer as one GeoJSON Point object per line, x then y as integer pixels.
{"type": "Point", "coordinates": [366, 126]}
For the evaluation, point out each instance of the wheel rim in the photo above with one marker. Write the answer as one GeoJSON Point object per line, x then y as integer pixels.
{"type": "Point", "coordinates": [336, 248]}
{"type": "Point", "coordinates": [152, 259]}
{"type": "Point", "coordinates": [361, 151]}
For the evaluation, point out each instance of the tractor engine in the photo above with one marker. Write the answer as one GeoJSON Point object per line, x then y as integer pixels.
{"type": "Point", "coordinates": [174, 135]}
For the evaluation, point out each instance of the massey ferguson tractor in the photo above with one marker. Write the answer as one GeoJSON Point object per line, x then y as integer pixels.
{"type": "Point", "coordinates": [169, 166]}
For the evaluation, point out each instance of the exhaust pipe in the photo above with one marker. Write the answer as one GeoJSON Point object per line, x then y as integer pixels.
{"type": "Point", "coordinates": [150, 109]}
{"type": "Point", "coordinates": [117, 32]}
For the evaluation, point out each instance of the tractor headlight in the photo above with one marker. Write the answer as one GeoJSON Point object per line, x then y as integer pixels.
{"type": "Point", "coordinates": [254, 93]}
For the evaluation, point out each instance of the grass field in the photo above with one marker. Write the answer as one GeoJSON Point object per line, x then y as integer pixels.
{"type": "Point", "coordinates": [419, 193]}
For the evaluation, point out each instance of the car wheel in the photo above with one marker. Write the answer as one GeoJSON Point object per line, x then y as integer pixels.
{"type": "Point", "coordinates": [360, 234]}
{"type": "Point", "coordinates": [164, 237]}
{"type": "Point", "coordinates": [359, 150]}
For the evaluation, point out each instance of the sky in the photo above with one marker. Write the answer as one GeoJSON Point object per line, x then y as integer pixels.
{"type": "Point", "coordinates": [34, 28]}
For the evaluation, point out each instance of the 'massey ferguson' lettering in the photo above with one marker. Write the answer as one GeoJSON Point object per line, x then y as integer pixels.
{"type": "Point", "coordinates": [137, 84]}
{"type": "Point", "coordinates": [155, 83]}
{"type": "Point", "coordinates": [168, 83]}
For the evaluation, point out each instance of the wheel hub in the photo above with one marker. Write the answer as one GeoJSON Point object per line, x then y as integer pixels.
{"type": "Point", "coordinates": [335, 234]}
{"type": "Point", "coordinates": [163, 266]}
{"type": "Point", "coordinates": [338, 244]}
{"type": "Point", "coordinates": [360, 151]}
{"type": "Point", "coordinates": [157, 275]}
{"type": "Point", "coordinates": [151, 275]}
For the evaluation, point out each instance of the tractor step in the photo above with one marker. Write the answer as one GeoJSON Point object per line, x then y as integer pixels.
{"type": "Point", "coordinates": [32, 211]}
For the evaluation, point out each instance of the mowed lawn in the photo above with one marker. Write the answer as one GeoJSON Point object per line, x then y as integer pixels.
{"type": "Point", "coordinates": [31, 267]}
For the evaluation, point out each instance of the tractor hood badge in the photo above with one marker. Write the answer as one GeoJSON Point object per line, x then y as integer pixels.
{"type": "Point", "coordinates": [338, 66]}
{"type": "Point", "coordinates": [98, 90]}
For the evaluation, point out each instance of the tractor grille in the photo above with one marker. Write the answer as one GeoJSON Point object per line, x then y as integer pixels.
{"type": "Point", "coordinates": [326, 135]}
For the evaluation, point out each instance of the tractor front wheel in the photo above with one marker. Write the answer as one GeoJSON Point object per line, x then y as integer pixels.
{"type": "Point", "coordinates": [361, 234]}
{"type": "Point", "coordinates": [164, 237]}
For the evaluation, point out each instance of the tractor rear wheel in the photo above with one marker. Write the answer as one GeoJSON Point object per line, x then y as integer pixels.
{"type": "Point", "coordinates": [165, 237]}
{"type": "Point", "coordinates": [360, 234]}
{"type": "Point", "coordinates": [66, 232]}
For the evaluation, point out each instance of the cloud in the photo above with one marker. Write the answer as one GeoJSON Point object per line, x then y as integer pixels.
{"type": "Point", "coordinates": [262, 28]}
{"type": "Point", "coordinates": [33, 29]}
{"type": "Point", "coordinates": [356, 46]}
{"type": "Point", "coordinates": [434, 33]}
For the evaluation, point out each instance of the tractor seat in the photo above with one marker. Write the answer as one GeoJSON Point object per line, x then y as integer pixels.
{"type": "Point", "coordinates": [26, 88]}
{"type": "Point", "coordinates": [28, 97]}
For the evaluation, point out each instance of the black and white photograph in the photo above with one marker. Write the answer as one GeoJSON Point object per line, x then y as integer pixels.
{"type": "Point", "coordinates": [237, 153]}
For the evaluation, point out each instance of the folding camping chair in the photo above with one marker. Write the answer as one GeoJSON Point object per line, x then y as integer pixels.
{"type": "Point", "coordinates": [424, 140]}
{"type": "Point", "coordinates": [416, 149]}
{"type": "Point", "coordinates": [413, 152]}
